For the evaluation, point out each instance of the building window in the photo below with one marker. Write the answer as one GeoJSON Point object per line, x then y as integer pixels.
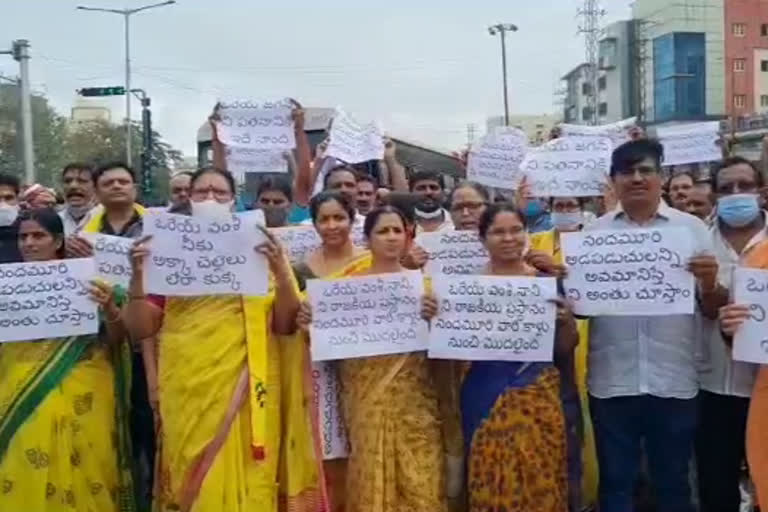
{"type": "Point", "coordinates": [602, 109]}
{"type": "Point", "coordinates": [586, 114]}
{"type": "Point", "coordinates": [601, 83]}
{"type": "Point", "coordinates": [739, 29]}
{"type": "Point", "coordinates": [764, 29]}
{"type": "Point", "coordinates": [764, 100]}
{"type": "Point", "coordinates": [586, 90]}
{"type": "Point", "coordinates": [679, 76]}
{"type": "Point", "coordinates": [739, 100]}
{"type": "Point", "coordinates": [739, 64]}
{"type": "Point", "coordinates": [764, 66]}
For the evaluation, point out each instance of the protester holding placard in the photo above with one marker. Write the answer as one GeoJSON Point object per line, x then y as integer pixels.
{"type": "Point", "coordinates": [643, 367]}
{"type": "Point", "coordinates": [726, 385]}
{"type": "Point", "coordinates": [514, 426]}
{"type": "Point", "coordinates": [390, 405]}
{"type": "Point", "coordinates": [568, 216]}
{"type": "Point", "coordinates": [332, 214]}
{"type": "Point", "coordinates": [227, 395]}
{"type": "Point", "coordinates": [64, 438]}
{"type": "Point", "coordinates": [732, 318]}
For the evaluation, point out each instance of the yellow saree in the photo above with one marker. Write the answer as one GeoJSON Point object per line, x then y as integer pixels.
{"type": "Point", "coordinates": [396, 461]}
{"type": "Point", "coordinates": [226, 446]}
{"type": "Point", "coordinates": [61, 440]}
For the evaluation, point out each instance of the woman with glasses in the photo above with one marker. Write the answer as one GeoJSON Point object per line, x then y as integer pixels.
{"type": "Point", "coordinates": [512, 417]}
{"type": "Point", "coordinates": [236, 430]}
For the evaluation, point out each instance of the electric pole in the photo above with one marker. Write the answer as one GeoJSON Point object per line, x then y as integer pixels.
{"type": "Point", "coordinates": [20, 52]}
{"type": "Point", "coordinates": [470, 135]}
{"type": "Point", "coordinates": [590, 14]}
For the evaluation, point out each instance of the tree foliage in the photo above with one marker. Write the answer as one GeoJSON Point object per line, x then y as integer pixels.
{"type": "Point", "coordinates": [58, 142]}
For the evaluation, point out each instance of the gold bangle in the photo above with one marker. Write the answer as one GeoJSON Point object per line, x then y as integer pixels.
{"type": "Point", "coordinates": [138, 297]}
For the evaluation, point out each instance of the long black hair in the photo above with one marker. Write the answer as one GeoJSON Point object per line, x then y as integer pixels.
{"type": "Point", "coordinates": [372, 218]}
{"type": "Point", "coordinates": [490, 213]}
{"type": "Point", "coordinates": [50, 221]}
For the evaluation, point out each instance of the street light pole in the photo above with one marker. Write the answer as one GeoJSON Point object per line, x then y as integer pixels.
{"type": "Point", "coordinates": [502, 29]}
{"type": "Point", "coordinates": [126, 14]}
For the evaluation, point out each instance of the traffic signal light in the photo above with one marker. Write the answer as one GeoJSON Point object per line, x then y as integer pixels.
{"type": "Point", "coordinates": [102, 91]}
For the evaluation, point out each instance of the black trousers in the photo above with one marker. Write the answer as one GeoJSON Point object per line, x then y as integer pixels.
{"type": "Point", "coordinates": [720, 450]}
{"type": "Point", "coordinates": [142, 434]}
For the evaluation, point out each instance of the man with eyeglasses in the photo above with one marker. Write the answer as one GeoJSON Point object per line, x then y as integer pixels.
{"type": "Point", "coordinates": [643, 379]}
{"type": "Point", "coordinates": [738, 227]}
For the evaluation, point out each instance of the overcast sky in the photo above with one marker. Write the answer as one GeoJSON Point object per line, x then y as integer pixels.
{"type": "Point", "coordinates": [425, 69]}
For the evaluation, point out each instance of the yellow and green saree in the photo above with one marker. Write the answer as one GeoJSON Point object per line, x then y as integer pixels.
{"type": "Point", "coordinates": [63, 428]}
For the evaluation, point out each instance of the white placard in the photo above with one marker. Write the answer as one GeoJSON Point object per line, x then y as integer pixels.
{"type": "Point", "coordinates": [629, 272]}
{"type": "Point", "coordinates": [354, 142]}
{"type": "Point", "coordinates": [264, 125]}
{"type": "Point", "coordinates": [47, 299]}
{"type": "Point", "coordinates": [199, 256]}
{"type": "Point", "coordinates": [690, 143]}
{"type": "Point", "coordinates": [491, 318]}
{"type": "Point", "coordinates": [300, 241]}
{"type": "Point", "coordinates": [495, 160]}
{"type": "Point", "coordinates": [453, 252]}
{"type": "Point", "coordinates": [568, 166]}
{"type": "Point", "coordinates": [112, 257]}
{"type": "Point", "coordinates": [618, 132]}
{"type": "Point", "coordinates": [750, 287]}
{"type": "Point", "coordinates": [242, 161]}
{"type": "Point", "coordinates": [333, 433]}
{"type": "Point", "coordinates": [367, 316]}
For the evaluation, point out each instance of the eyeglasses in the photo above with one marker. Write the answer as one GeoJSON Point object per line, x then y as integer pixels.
{"type": "Point", "coordinates": [472, 207]}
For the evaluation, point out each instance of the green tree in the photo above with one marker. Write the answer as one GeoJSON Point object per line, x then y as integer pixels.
{"type": "Point", "coordinates": [49, 133]}
{"type": "Point", "coordinates": [58, 142]}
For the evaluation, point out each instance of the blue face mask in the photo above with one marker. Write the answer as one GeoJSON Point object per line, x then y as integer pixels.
{"type": "Point", "coordinates": [533, 209]}
{"type": "Point", "coordinates": [738, 210]}
{"type": "Point", "coordinates": [567, 221]}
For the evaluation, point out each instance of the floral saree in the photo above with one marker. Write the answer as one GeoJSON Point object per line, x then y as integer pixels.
{"type": "Point", "coordinates": [396, 461]}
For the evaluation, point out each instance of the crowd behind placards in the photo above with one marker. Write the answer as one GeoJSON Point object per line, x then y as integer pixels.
{"type": "Point", "coordinates": [362, 339]}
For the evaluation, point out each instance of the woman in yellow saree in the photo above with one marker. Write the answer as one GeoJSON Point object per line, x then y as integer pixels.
{"type": "Point", "coordinates": [235, 428]}
{"type": "Point", "coordinates": [390, 406]}
{"type": "Point", "coordinates": [332, 215]}
{"type": "Point", "coordinates": [64, 444]}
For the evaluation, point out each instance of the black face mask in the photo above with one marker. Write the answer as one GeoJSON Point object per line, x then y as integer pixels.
{"type": "Point", "coordinates": [275, 217]}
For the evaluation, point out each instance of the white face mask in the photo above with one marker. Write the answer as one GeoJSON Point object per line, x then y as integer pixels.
{"type": "Point", "coordinates": [8, 214]}
{"type": "Point", "coordinates": [212, 209]}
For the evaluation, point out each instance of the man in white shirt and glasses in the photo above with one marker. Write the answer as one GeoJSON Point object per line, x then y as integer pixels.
{"type": "Point", "coordinates": [642, 369]}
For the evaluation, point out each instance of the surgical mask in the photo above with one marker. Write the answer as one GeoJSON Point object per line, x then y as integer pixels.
{"type": "Point", "coordinates": [567, 221]}
{"type": "Point", "coordinates": [738, 210]}
{"type": "Point", "coordinates": [8, 214]}
{"type": "Point", "coordinates": [212, 209]}
{"type": "Point", "coordinates": [533, 209]}
{"type": "Point", "coordinates": [275, 217]}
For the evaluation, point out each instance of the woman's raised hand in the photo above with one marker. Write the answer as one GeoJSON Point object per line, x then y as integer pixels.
{"type": "Point", "coordinates": [304, 316]}
{"type": "Point", "coordinates": [428, 306]}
